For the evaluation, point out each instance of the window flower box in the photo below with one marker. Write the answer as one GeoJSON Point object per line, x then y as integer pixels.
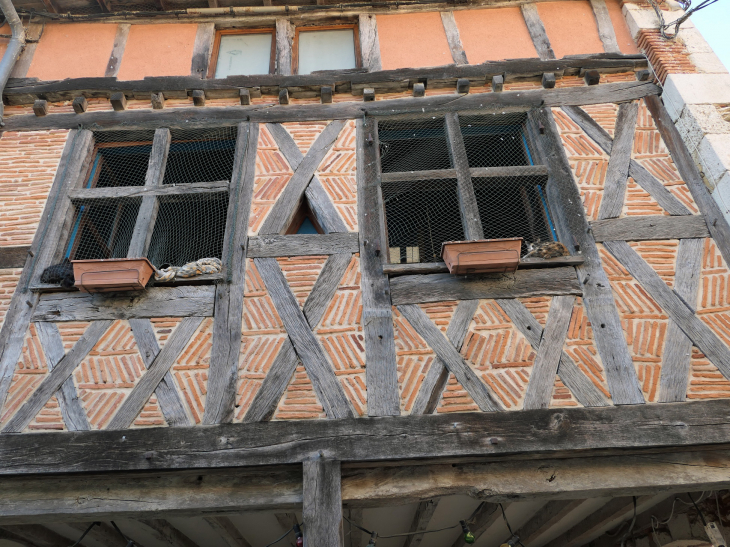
{"type": "Point", "coordinates": [112, 275]}
{"type": "Point", "coordinates": [482, 256]}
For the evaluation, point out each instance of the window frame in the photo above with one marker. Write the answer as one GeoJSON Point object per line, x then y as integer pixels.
{"type": "Point", "coordinates": [232, 32]}
{"type": "Point", "coordinates": [355, 37]}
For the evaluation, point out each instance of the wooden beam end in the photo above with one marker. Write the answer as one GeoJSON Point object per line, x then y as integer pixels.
{"type": "Point", "coordinates": [643, 75]}
{"type": "Point", "coordinates": [198, 97]}
{"type": "Point", "coordinates": [368, 94]}
{"type": "Point", "coordinates": [462, 86]}
{"type": "Point", "coordinates": [158, 101]}
{"type": "Point", "coordinates": [592, 77]}
{"type": "Point", "coordinates": [40, 107]}
{"type": "Point", "coordinates": [548, 80]}
{"type": "Point", "coordinates": [119, 101]}
{"type": "Point", "coordinates": [497, 83]}
{"type": "Point", "coordinates": [419, 90]}
{"type": "Point", "coordinates": [283, 96]}
{"type": "Point", "coordinates": [326, 94]}
{"type": "Point", "coordinates": [245, 96]}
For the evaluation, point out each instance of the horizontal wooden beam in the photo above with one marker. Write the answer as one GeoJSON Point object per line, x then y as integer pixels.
{"type": "Point", "coordinates": [196, 188]}
{"type": "Point", "coordinates": [302, 245]}
{"type": "Point", "coordinates": [154, 302]}
{"type": "Point", "coordinates": [192, 117]}
{"type": "Point", "coordinates": [476, 172]}
{"type": "Point", "coordinates": [649, 228]}
{"type": "Point", "coordinates": [176, 494]}
{"type": "Point", "coordinates": [13, 257]}
{"type": "Point", "coordinates": [546, 432]}
{"type": "Point", "coordinates": [417, 289]}
{"type": "Point", "coordinates": [440, 267]}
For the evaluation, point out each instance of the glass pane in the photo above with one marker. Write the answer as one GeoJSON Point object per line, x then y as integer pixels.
{"type": "Point", "coordinates": [243, 54]}
{"type": "Point", "coordinates": [326, 50]}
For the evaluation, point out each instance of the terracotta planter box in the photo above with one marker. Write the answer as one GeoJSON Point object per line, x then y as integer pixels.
{"type": "Point", "coordinates": [482, 256]}
{"type": "Point", "coordinates": [112, 275]}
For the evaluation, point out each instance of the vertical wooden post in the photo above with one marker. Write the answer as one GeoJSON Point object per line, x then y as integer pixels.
{"type": "Point", "coordinates": [284, 42]}
{"type": "Point", "coordinates": [369, 43]}
{"type": "Point", "coordinates": [322, 503]}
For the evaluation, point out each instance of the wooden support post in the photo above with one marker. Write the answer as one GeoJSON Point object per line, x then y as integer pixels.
{"type": "Point", "coordinates": [284, 42]}
{"type": "Point", "coordinates": [548, 80]}
{"type": "Point", "coordinates": [120, 43]}
{"type": "Point", "coordinates": [605, 26]}
{"type": "Point", "coordinates": [119, 101]}
{"type": "Point", "coordinates": [537, 31]}
{"type": "Point", "coordinates": [453, 38]}
{"type": "Point", "coordinates": [423, 515]}
{"type": "Point", "coordinates": [382, 369]}
{"type": "Point", "coordinates": [497, 83]}
{"type": "Point", "coordinates": [158, 101]}
{"type": "Point", "coordinates": [368, 94]}
{"type": "Point", "coordinates": [245, 96]}
{"type": "Point", "coordinates": [33, 31]}
{"type": "Point", "coordinates": [202, 48]}
{"type": "Point", "coordinates": [322, 503]}
{"type": "Point", "coordinates": [283, 96]}
{"type": "Point", "coordinates": [40, 107]}
{"type": "Point", "coordinates": [369, 43]}
{"type": "Point", "coordinates": [592, 77]}
{"type": "Point", "coordinates": [325, 94]}
{"type": "Point", "coordinates": [419, 90]}
{"type": "Point", "coordinates": [198, 97]}
{"type": "Point", "coordinates": [462, 86]}
{"type": "Point", "coordinates": [617, 172]}
{"type": "Point", "coordinates": [80, 105]}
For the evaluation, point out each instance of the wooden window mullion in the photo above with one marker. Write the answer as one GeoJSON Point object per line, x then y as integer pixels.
{"type": "Point", "coordinates": [147, 215]}
{"type": "Point", "coordinates": [467, 198]}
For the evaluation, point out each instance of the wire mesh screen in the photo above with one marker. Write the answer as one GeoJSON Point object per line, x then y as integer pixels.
{"type": "Point", "coordinates": [201, 155]}
{"type": "Point", "coordinates": [495, 140]}
{"type": "Point", "coordinates": [102, 228]}
{"type": "Point", "coordinates": [421, 215]}
{"type": "Point", "coordinates": [188, 228]}
{"type": "Point", "coordinates": [413, 145]}
{"type": "Point", "coordinates": [121, 159]}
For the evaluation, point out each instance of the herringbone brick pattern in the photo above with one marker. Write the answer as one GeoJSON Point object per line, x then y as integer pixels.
{"type": "Point", "coordinates": [666, 56]}
{"type": "Point", "coordinates": [301, 272]}
{"type": "Point", "coordinates": [581, 347]}
{"type": "Point", "coordinates": [272, 175]}
{"type": "Point", "coordinates": [305, 133]}
{"type": "Point", "coordinates": [299, 401]}
{"type": "Point", "coordinates": [191, 370]}
{"type": "Point", "coordinates": [340, 333]}
{"type": "Point", "coordinates": [164, 327]}
{"type": "Point", "coordinates": [150, 415]}
{"type": "Point", "coordinates": [49, 418]}
{"type": "Point", "coordinates": [562, 397]}
{"type": "Point", "coordinates": [8, 283]}
{"type": "Point", "coordinates": [604, 115]}
{"type": "Point", "coordinates": [71, 332]}
{"type": "Point", "coordinates": [108, 374]}
{"type": "Point", "coordinates": [337, 175]}
{"type": "Point", "coordinates": [499, 354]}
{"type": "Point", "coordinates": [455, 398]}
{"type": "Point", "coordinates": [29, 373]}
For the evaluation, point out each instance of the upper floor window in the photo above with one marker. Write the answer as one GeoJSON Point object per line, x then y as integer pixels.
{"type": "Point", "coordinates": [326, 48]}
{"type": "Point", "coordinates": [243, 52]}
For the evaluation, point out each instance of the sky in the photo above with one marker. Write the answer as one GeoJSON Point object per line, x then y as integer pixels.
{"type": "Point", "coordinates": [714, 24]}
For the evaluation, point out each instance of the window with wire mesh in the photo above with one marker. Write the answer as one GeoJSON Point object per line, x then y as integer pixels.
{"type": "Point", "coordinates": [186, 226]}
{"type": "Point", "coordinates": [422, 209]}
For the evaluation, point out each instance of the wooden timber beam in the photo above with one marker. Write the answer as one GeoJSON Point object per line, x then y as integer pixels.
{"type": "Point", "coordinates": [546, 517]}
{"type": "Point", "coordinates": [192, 117]}
{"type": "Point", "coordinates": [421, 518]}
{"type": "Point", "coordinates": [547, 431]}
{"type": "Point", "coordinates": [102, 533]}
{"type": "Point", "coordinates": [650, 228]}
{"type": "Point", "coordinates": [227, 531]}
{"type": "Point", "coordinates": [167, 533]}
{"type": "Point", "coordinates": [322, 502]}
{"type": "Point", "coordinates": [25, 500]}
{"type": "Point", "coordinates": [36, 534]}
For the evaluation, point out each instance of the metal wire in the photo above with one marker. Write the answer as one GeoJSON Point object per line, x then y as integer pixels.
{"type": "Point", "coordinates": [686, 6]}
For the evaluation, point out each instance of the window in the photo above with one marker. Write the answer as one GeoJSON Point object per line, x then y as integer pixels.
{"type": "Point", "coordinates": [190, 202]}
{"type": "Point", "coordinates": [243, 53]}
{"type": "Point", "coordinates": [421, 182]}
{"type": "Point", "coordinates": [326, 48]}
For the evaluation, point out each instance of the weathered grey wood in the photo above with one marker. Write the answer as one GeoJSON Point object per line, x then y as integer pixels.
{"type": "Point", "coordinates": [199, 97]}
{"type": "Point", "coordinates": [135, 401]}
{"type": "Point", "coordinates": [147, 215]}
{"type": "Point", "coordinates": [202, 49]}
{"type": "Point", "coordinates": [268, 246]}
{"type": "Point", "coordinates": [542, 377]}
{"type": "Point", "coordinates": [118, 101]}
{"type": "Point", "coordinates": [319, 201]}
{"type": "Point", "coordinates": [322, 503]}
{"type": "Point", "coordinates": [537, 32]}
{"type": "Point", "coordinates": [582, 388]}
{"type": "Point", "coordinates": [701, 335]}
{"type": "Point", "coordinates": [329, 391]}
{"type": "Point", "coordinates": [192, 117]}
{"type": "Point", "coordinates": [183, 301]}
{"type": "Point", "coordinates": [356, 535]}
{"type": "Point", "coordinates": [548, 80]}
{"type": "Point", "coordinates": [228, 531]}
{"type": "Point", "coordinates": [40, 107]}
{"type": "Point", "coordinates": [441, 267]}
{"type": "Point", "coordinates": [641, 176]}
{"type": "Point", "coordinates": [166, 532]}
{"type": "Point", "coordinates": [68, 400]}
{"type": "Point", "coordinates": [71, 169]}
{"type": "Point", "coordinates": [157, 100]}
{"type": "Point", "coordinates": [485, 515]}
{"type": "Point", "coordinates": [80, 105]}
{"type": "Point", "coordinates": [650, 228]}
{"type": "Point", "coordinates": [434, 383]}
{"type": "Point", "coordinates": [476, 172]}
{"type": "Point", "coordinates": [417, 289]}
{"type": "Point", "coordinates": [136, 191]}
{"type": "Point", "coordinates": [286, 520]}
{"type": "Point", "coordinates": [470, 219]}
{"type": "Point", "coordinates": [22, 64]}
{"type": "Point", "coordinates": [605, 27]}
{"type": "Point", "coordinates": [36, 534]}
{"type": "Point", "coordinates": [284, 40]}
{"type": "Point", "coordinates": [572, 227]}
{"type": "Point", "coordinates": [547, 517]}
{"type": "Point", "coordinates": [382, 370]}
{"type": "Point", "coordinates": [677, 353]}
{"type": "Point", "coordinates": [716, 222]}
{"type": "Point", "coordinates": [284, 209]}
{"type": "Point", "coordinates": [450, 356]}
{"type": "Point", "coordinates": [277, 378]}
{"type": "Point", "coordinates": [325, 94]}
{"type": "Point", "coordinates": [167, 394]}
{"type": "Point", "coordinates": [369, 44]}
{"type": "Point", "coordinates": [606, 518]}
{"type": "Point", "coordinates": [226, 343]}
{"type": "Point", "coordinates": [56, 377]}
{"type": "Point", "coordinates": [421, 518]}
{"type": "Point", "coordinates": [617, 172]}
{"type": "Point", "coordinates": [452, 37]}
{"type": "Point", "coordinates": [120, 43]}
{"type": "Point", "coordinates": [13, 257]}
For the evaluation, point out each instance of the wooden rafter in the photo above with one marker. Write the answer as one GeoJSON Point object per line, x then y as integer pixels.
{"type": "Point", "coordinates": [167, 533]}
{"type": "Point", "coordinates": [227, 531]}
{"type": "Point", "coordinates": [421, 518]}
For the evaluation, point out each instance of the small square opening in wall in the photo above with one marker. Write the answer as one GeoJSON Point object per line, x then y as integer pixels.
{"type": "Point", "coordinates": [188, 228]}
{"type": "Point", "coordinates": [200, 156]}
{"type": "Point", "coordinates": [420, 215]}
{"type": "Point", "coordinates": [495, 140]}
{"type": "Point", "coordinates": [413, 145]}
{"type": "Point", "coordinates": [102, 228]}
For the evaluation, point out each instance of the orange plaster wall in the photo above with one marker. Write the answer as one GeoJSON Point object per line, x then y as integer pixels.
{"type": "Point", "coordinates": [413, 40]}
{"type": "Point", "coordinates": [74, 50]}
{"type": "Point", "coordinates": [623, 35]}
{"type": "Point", "coordinates": [158, 50]}
{"type": "Point", "coordinates": [571, 27]}
{"type": "Point", "coordinates": [482, 34]}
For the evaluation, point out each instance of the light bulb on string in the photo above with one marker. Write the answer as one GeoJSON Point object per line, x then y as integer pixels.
{"type": "Point", "coordinates": [468, 536]}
